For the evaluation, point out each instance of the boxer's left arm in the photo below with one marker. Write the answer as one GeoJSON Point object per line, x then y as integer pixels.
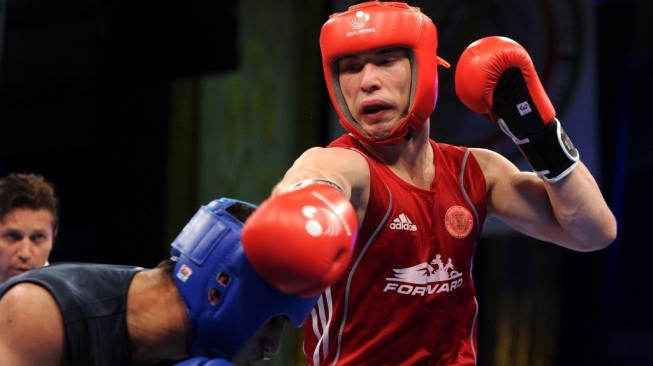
{"type": "Point", "coordinates": [31, 327]}
{"type": "Point", "coordinates": [496, 78]}
{"type": "Point", "coordinates": [571, 213]}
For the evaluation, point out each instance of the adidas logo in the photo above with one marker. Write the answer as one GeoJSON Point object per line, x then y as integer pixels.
{"type": "Point", "coordinates": [402, 222]}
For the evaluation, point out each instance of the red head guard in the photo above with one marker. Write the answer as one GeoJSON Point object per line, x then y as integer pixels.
{"type": "Point", "coordinates": [374, 25]}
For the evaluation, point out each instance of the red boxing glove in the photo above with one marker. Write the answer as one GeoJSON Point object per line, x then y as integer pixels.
{"type": "Point", "coordinates": [302, 240]}
{"type": "Point", "coordinates": [496, 78]}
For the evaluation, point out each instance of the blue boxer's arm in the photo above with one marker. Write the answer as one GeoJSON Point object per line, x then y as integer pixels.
{"type": "Point", "coordinates": [203, 361]}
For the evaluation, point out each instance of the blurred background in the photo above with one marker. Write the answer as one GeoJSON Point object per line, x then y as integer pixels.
{"type": "Point", "coordinates": [141, 111]}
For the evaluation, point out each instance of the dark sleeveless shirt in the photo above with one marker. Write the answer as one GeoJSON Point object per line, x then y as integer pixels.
{"type": "Point", "coordinates": [93, 302]}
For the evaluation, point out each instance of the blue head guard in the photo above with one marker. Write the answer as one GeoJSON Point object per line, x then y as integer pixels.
{"type": "Point", "coordinates": [212, 265]}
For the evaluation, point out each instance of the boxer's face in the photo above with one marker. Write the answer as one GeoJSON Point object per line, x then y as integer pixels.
{"type": "Point", "coordinates": [26, 238]}
{"type": "Point", "coordinates": [376, 88]}
{"type": "Point", "coordinates": [266, 340]}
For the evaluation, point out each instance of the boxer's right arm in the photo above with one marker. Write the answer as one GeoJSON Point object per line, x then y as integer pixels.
{"type": "Point", "coordinates": [346, 168]}
{"type": "Point", "coordinates": [301, 240]}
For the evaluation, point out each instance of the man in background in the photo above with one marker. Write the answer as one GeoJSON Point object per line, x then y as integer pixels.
{"type": "Point", "coordinates": [29, 219]}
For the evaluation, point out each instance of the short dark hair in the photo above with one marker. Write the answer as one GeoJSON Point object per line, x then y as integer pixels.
{"type": "Point", "coordinates": [240, 210]}
{"type": "Point", "coordinates": [29, 191]}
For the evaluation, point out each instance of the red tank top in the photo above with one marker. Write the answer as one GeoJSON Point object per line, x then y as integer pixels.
{"type": "Point", "coordinates": [407, 297]}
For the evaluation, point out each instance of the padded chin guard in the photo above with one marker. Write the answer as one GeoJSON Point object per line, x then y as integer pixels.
{"type": "Point", "coordinates": [226, 300]}
{"type": "Point", "coordinates": [376, 25]}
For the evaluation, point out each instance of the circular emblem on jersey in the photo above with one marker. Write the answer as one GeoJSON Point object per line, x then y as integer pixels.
{"type": "Point", "coordinates": [458, 221]}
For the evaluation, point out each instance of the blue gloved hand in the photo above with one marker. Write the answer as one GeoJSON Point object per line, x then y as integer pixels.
{"type": "Point", "coordinates": [203, 361]}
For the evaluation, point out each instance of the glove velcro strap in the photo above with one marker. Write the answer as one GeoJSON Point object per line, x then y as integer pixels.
{"type": "Point", "coordinates": [550, 152]}
{"type": "Point", "coordinates": [326, 182]}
